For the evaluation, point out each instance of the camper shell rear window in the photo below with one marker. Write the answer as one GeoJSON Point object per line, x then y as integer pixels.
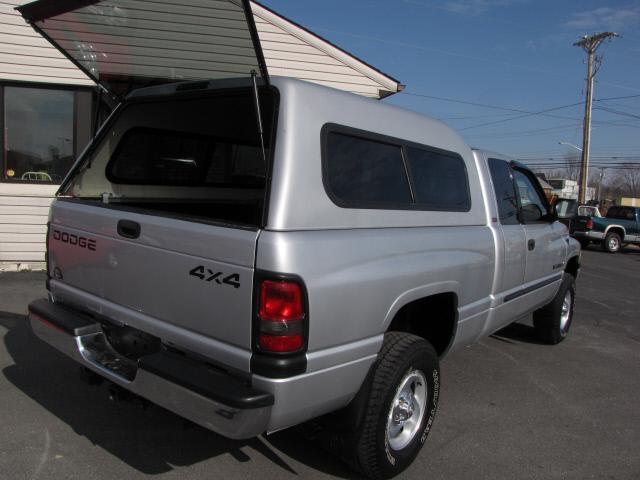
{"type": "Point", "coordinates": [191, 155]}
{"type": "Point", "coordinates": [148, 156]}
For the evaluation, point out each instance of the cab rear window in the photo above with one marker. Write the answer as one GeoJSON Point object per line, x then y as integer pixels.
{"type": "Point", "coordinates": [173, 158]}
{"type": "Point", "coordinates": [621, 213]}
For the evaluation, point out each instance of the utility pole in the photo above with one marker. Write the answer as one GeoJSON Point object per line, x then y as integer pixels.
{"type": "Point", "coordinates": [589, 44]}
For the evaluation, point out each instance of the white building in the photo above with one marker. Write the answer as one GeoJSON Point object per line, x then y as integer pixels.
{"type": "Point", "coordinates": [569, 189]}
{"type": "Point", "coordinates": [47, 110]}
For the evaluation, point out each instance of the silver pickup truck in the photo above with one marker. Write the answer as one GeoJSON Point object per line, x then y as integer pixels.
{"type": "Point", "coordinates": [257, 252]}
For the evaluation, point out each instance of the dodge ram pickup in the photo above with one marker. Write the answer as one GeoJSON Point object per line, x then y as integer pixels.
{"type": "Point", "coordinates": [256, 252]}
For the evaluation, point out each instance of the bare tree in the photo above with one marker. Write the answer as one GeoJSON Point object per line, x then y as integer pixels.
{"type": "Point", "coordinates": [629, 177]}
{"type": "Point", "coordinates": [572, 166]}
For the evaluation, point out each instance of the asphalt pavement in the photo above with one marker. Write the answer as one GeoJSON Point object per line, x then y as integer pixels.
{"type": "Point", "coordinates": [510, 408]}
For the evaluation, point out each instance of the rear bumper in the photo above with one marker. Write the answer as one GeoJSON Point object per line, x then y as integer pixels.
{"type": "Point", "coordinates": [210, 398]}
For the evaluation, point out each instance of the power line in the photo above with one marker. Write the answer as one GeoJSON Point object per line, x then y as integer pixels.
{"type": "Point", "coordinates": [618, 112]}
{"type": "Point", "coordinates": [530, 114]}
{"type": "Point", "coordinates": [567, 126]}
{"type": "Point", "coordinates": [526, 113]}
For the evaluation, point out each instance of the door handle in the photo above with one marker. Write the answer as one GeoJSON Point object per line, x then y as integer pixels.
{"type": "Point", "coordinates": [128, 229]}
{"type": "Point", "coordinates": [531, 244]}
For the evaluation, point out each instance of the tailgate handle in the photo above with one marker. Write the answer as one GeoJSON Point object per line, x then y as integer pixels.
{"type": "Point", "coordinates": [128, 229]}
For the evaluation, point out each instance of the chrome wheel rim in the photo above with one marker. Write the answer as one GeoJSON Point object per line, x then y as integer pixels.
{"type": "Point", "coordinates": [407, 410]}
{"type": "Point", "coordinates": [565, 315]}
{"type": "Point", "coordinates": [613, 244]}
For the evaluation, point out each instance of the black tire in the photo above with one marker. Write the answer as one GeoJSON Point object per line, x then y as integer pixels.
{"type": "Point", "coordinates": [584, 243]}
{"type": "Point", "coordinates": [401, 355]}
{"type": "Point", "coordinates": [612, 243]}
{"type": "Point", "coordinates": [548, 321]}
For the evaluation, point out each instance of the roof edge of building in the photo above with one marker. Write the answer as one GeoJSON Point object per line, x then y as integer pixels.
{"type": "Point", "coordinates": [390, 84]}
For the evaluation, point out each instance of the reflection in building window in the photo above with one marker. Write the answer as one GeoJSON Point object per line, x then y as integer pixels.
{"type": "Point", "coordinates": [39, 135]}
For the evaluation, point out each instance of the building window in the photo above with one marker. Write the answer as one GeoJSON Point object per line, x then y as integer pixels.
{"type": "Point", "coordinates": [41, 134]}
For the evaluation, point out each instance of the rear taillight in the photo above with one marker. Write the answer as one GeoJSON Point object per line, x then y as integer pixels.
{"type": "Point", "coordinates": [281, 317]}
{"type": "Point", "coordinates": [589, 224]}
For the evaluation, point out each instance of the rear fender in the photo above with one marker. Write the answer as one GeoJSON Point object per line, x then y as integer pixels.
{"type": "Point", "coordinates": [417, 294]}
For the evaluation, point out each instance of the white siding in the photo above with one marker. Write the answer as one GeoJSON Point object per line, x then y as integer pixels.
{"type": "Point", "coordinates": [291, 51]}
{"type": "Point", "coordinates": [26, 56]}
{"type": "Point", "coordinates": [24, 209]}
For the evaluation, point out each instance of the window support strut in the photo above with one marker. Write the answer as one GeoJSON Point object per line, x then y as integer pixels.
{"type": "Point", "coordinates": [256, 101]}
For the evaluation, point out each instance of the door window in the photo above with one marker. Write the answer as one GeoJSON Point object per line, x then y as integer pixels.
{"type": "Point", "coordinates": [505, 191]}
{"type": "Point", "coordinates": [533, 206]}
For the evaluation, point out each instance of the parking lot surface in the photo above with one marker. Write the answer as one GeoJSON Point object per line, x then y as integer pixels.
{"type": "Point", "coordinates": [510, 407]}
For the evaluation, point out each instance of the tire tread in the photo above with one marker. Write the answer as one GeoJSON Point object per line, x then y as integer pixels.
{"type": "Point", "coordinates": [394, 347]}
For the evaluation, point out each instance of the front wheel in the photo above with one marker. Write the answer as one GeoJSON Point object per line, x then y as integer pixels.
{"type": "Point", "coordinates": [401, 406]}
{"type": "Point", "coordinates": [552, 322]}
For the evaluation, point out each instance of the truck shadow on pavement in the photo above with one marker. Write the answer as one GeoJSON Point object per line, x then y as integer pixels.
{"type": "Point", "coordinates": [517, 333]}
{"type": "Point", "coordinates": [152, 441]}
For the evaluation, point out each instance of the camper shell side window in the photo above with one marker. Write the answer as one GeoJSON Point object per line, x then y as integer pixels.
{"type": "Point", "coordinates": [365, 170]}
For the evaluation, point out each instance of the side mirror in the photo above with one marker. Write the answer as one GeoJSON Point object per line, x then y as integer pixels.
{"type": "Point", "coordinates": [531, 213]}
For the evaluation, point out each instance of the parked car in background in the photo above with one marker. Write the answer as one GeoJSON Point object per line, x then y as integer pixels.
{"type": "Point", "coordinates": [620, 226]}
{"type": "Point", "coordinates": [568, 211]}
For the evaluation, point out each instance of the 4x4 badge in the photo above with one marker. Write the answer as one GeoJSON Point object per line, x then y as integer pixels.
{"type": "Point", "coordinates": [209, 275]}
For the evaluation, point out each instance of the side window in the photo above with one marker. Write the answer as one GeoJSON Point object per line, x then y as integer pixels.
{"type": "Point", "coordinates": [628, 214]}
{"type": "Point", "coordinates": [534, 207]}
{"type": "Point", "coordinates": [365, 173]}
{"type": "Point", "coordinates": [505, 191]}
{"type": "Point", "coordinates": [439, 180]}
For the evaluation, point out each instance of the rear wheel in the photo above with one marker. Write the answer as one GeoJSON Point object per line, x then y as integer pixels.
{"type": "Point", "coordinates": [612, 243]}
{"type": "Point", "coordinates": [552, 322]}
{"type": "Point", "coordinates": [400, 408]}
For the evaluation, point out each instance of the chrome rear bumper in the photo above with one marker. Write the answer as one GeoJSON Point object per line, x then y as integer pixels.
{"type": "Point", "coordinates": [212, 399]}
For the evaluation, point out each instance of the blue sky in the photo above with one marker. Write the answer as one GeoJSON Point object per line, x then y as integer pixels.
{"type": "Point", "coordinates": [515, 54]}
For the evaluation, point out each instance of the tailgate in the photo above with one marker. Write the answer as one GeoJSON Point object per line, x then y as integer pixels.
{"type": "Point", "coordinates": [195, 276]}
{"type": "Point", "coordinates": [579, 224]}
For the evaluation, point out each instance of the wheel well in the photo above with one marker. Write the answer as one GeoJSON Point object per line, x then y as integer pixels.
{"type": "Point", "coordinates": [617, 230]}
{"type": "Point", "coordinates": [573, 266]}
{"type": "Point", "coordinates": [433, 318]}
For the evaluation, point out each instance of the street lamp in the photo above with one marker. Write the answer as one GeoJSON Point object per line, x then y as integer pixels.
{"type": "Point", "coordinates": [571, 145]}
{"type": "Point", "coordinates": [578, 149]}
